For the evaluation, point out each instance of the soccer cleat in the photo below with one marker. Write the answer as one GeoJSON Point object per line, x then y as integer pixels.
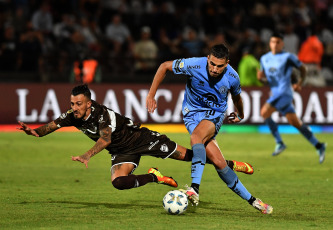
{"type": "Point", "coordinates": [321, 152]}
{"type": "Point", "coordinates": [262, 207]}
{"type": "Point", "coordinates": [279, 149]}
{"type": "Point", "coordinates": [243, 167]}
{"type": "Point", "coordinates": [191, 194]}
{"type": "Point", "coordinates": [163, 179]}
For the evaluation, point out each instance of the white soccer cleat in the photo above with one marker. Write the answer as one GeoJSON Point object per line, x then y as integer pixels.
{"type": "Point", "coordinates": [262, 207]}
{"type": "Point", "coordinates": [191, 194]}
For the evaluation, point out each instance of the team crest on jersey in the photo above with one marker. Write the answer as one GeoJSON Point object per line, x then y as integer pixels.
{"type": "Point", "coordinates": [181, 65]}
{"type": "Point", "coordinates": [64, 115]}
{"type": "Point", "coordinates": [272, 70]}
{"type": "Point", "coordinates": [101, 119]}
{"type": "Point", "coordinates": [164, 148]}
{"type": "Point", "coordinates": [223, 89]}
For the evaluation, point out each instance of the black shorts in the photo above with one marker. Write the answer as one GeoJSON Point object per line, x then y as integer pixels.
{"type": "Point", "coordinates": [158, 146]}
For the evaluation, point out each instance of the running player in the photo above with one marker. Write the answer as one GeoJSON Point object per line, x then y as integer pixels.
{"type": "Point", "coordinates": [276, 69]}
{"type": "Point", "coordinates": [209, 80]}
{"type": "Point", "coordinates": [124, 140]}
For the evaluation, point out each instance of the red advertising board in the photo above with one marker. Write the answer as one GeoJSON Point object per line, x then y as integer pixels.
{"type": "Point", "coordinates": [41, 103]}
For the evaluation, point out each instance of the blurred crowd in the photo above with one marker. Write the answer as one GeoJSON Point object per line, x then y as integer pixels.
{"type": "Point", "coordinates": [132, 37]}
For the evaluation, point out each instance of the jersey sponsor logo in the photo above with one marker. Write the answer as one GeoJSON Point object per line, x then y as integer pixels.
{"type": "Point", "coordinates": [191, 66]}
{"type": "Point", "coordinates": [210, 100]}
{"type": "Point", "coordinates": [164, 148]}
{"type": "Point", "coordinates": [210, 97]}
{"type": "Point", "coordinates": [223, 89]}
{"type": "Point", "coordinates": [152, 144]}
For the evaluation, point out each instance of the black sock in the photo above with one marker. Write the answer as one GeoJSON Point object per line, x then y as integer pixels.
{"type": "Point", "coordinates": [251, 200]}
{"type": "Point", "coordinates": [319, 145]}
{"type": "Point", "coordinates": [154, 176]}
{"type": "Point", "coordinates": [195, 187]}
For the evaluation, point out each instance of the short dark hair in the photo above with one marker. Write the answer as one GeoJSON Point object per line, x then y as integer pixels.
{"type": "Point", "coordinates": [220, 51]}
{"type": "Point", "coordinates": [277, 34]}
{"type": "Point", "coordinates": [82, 89]}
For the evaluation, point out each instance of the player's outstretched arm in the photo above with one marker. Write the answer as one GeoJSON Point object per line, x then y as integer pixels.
{"type": "Point", "coordinates": [101, 144]}
{"type": "Point", "coordinates": [40, 131]}
{"type": "Point", "coordinates": [151, 104]}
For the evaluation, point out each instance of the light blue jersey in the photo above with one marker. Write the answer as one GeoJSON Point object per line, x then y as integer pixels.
{"type": "Point", "coordinates": [203, 92]}
{"type": "Point", "coordinates": [278, 69]}
{"type": "Point", "coordinates": [205, 97]}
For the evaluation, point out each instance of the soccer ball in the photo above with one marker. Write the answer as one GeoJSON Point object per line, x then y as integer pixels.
{"type": "Point", "coordinates": [175, 202]}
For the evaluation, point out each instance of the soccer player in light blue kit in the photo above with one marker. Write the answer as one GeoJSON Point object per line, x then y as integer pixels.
{"type": "Point", "coordinates": [209, 80]}
{"type": "Point", "coordinates": [276, 68]}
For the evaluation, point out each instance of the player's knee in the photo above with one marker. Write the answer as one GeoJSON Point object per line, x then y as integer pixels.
{"type": "Point", "coordinates": [119, 183]}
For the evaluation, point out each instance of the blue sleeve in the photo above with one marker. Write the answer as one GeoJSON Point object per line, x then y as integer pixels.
{"type": "Point", "coordinates": [235, 86]}
{"type": "Point", "coordinates": [294, 60]}
{"type": "Point", "coordinates": [179, 66]}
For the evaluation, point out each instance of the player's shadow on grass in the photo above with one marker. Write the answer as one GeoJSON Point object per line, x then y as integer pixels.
{"type": "Point", "coordinates": [91, 204]}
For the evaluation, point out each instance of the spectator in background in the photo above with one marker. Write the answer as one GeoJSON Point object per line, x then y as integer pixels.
{"type": "Point", "coordinates": [145, 52]}
{"type": "Point", "coordinates": [42, 19]}
{"type": "Point", "coordinates": [8, 50]}
{"type": "Point", "coordinates": [119, 36]}
{"type": "Point", "coordinates": [18, 20]}
{"type": "Point", "coordinates": [311, 53]}
{"type": "Point", "coordinates": [30, 59]}
{"type": "Point", "coordinates": [247, 69]}
{"type": "Point", "coordinates": [291, 40]}
{"type": "Point", "coordinates": [90, 38]}
{"type": "Point", "coordinates": [191, 45]}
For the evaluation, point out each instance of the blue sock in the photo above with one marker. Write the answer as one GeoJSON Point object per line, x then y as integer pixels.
{"type": "Point", "coordinates": [232, 181]}
{"type": "Point", "coordinates": [274, 129]}
{"type": "Point", "coordinates": [198, 162]}
{"type": "Point", "coordinates": [304, 129]}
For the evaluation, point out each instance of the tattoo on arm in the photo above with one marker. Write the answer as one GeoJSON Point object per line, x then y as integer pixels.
{"type": "Point", "coordinates": [102, 142]}
{"type": "Point", "coordinates": [177, 155]}
{"type": "Point", "coordinates": [46, 129]}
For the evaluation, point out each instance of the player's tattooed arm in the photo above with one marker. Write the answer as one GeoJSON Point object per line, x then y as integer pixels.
{"type": "Point", "coordinates": [40, 131]}
{"type": "Point", "coordinates": [46, 129]}
{"type": "Point", "coordinates": [101, 143]}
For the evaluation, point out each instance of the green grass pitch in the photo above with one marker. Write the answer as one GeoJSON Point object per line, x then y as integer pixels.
{"type": "Point", "coordinates": [41, 188]}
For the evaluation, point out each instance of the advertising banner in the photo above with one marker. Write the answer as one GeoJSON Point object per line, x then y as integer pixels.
{"type": "Point", "coordinates": [42, 103]}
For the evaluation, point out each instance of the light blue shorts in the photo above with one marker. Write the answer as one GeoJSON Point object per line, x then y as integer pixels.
{"type": "Point", "coordinates": [193, 118]}
{"type": "Point", "coordinates": [283, 104]}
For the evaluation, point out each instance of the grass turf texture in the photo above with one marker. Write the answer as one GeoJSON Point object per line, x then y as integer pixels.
{"type": "Point", "coordinates": [41, 188]}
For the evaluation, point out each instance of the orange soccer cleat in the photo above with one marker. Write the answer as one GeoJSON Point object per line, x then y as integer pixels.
{"type": "Point", "coordinates": [163, 179]}
{"type": "Point", "coordinates": [243, 167]}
